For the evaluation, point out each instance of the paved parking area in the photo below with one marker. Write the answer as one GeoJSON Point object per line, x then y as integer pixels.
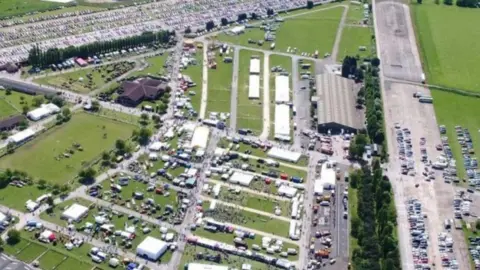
{"type": "Point", "coordinates": [7, 263]}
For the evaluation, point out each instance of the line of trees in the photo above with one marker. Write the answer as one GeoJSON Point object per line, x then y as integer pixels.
{"type": "Point", "coordinates": [370, 94]}
{"type": "Point", "coordinates": [374, 223]}
{"type": "Point", "coordinates": [40, 58]}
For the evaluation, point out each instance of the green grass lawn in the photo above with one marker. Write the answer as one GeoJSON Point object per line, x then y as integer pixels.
{"type": "Point", "coordinates": [352, 39]}
{"type": "Point", "coordinates": [95, 134]}
{"type": "Point", "coordinates": [155, 66]}
{"type": "Point", "coordinates": [285, 63]}
{"type": "Point", "coordinates": [219, 86]}
{"type": "Point", "coordinates": [51, 259]}
{"type": "Point", "coordinates": [31, 252]}
{"type": "Point", "coordinates": [6, 109]}
{"type": "Point", "coordinates": [134, 186]}
{"type": "Point", "coordinates": [457, 110]}
{"type": "Point", "coordinates": [16, 100]}
{"type": "Point", "coordinates": [227, 260]}
{"type": "Point", "coordinates": [250, 220]}
{"type": "Point", "coordinates": [87, 79]}
{"type": "Point", "coordinates": [15, 197]}
{"type": "Point", "coordinates": [19, 7]}
{"type": "Point", "coordinates": [60, 11]}
{"type": "Point", "coordinates": [249, 111]}
{"type": "Point", "coordinates": [259, 152]}
{"type": "Point", "coordinates": [324, 23]}
{"type": "Point", "coordinates": [228, 239]}
{"type": "Point", "coordinates": [352, 212]}
{"type": "Point", "coordinates": [469, 233]}
{"type": "Point", "coordinates": [73, 264]}
{"type": "Point", "coordinates": [255, 201]}
{"type": "Point", "coordinates": [355, 14]}
{"type": "Point", "coordinates": [195, 73]}
{"type": "Point", "coordinates": [448, 46]}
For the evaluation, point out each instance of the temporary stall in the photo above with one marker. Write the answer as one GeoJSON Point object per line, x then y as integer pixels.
{"type": "Point", "coordinates": [21, 136]}
{"type": "Point", "coordinates": [240, 178]}
{"type": "Point", "coordinates": [75, 212]}
{"type": "Point", "coordinates": [31, 205]}
{"type": "Point", "coordinates": [254, 87]}
{"type": "Point", "coordinates": [152, 248]}
{"type": "Point", "coordinates": [254, 66]}
{"type": "Point", "coordinates": [200, 137]}
{"type": "Point", "coordinates": [282, 124]}
{"type": "Point", "coordinates": [42, 112]}
{"type": "Point", "coordinates": [287, 191]}
{"type": "Point", "coordinates": [282, 89]}
{"type": "Point", "coordinates": [284, 154]}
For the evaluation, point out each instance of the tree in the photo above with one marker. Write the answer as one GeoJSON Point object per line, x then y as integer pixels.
{"type": "Point", "coordinates": [270, 12]}
{"type": "Point", "coordinates": [375, 62]}
{"type": "Point", "coordinates": [50, 202]}
{"type": "Point", "coordinates": [23, 124]}
{"type": "Point", "coordinates": [143, 136]}
{"type": "Point", "coordinates": [59, 101]}
{"type": "Point", "coordinates": [95, 106]}
{"type": "Point", "coordinates": [120, 145]}
{"type": "Point", "coordinates": [13, 237]}
{"type": "Point", "coordinates": [309, 4]}
{"type": "Point", "coordinates": [357, 146]}
{"type": "Point", "coordinates": [242, 17]}
{"type": "Point", "coordinates": [254, 16]}
{"type": "Point", "coordinates": [144, 119]}
{"type": "Point", "coordinates": [448, 2]}
{"type": "Point", "coordinates": [87, 176]}
{"type": "Point", "coordinates": [188, 30]}
{"type": "Point", "coordinates": [11, 147]}
{"type": "Point", "coordinates": [66, 114]}
{"type": "Point", "coordinates": [8, 92]}
{"type": "Point", "coordinates": [224, 21]}
{"type": "Point", "coordinates": [477, 224]}
{"type": "Point", "coordinates": [209, 25]}
{"type": "Point", "coordinates": [25, 109]}
{"type": "Point", "coordinates": [42, 184]}
{"type": "Point", "coordinates": [419, 1]}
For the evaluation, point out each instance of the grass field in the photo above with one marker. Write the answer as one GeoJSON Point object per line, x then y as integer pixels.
{"type": "Point", "coordinates": [219, 86]}
{"type": "Point", "coordinates": [195, 73]}
{"type": "Point", "coordinates": [249, 111]}
{"type": "Point", "coordinates": [228, 239]}
{"type": "Point", "coordinates": [355, 14]}
{"type": "Point", "coordinates": [15, 197]}
{"type": "Point", "coordinates": [323, 22]}
{"type": "Point", "coordinates": [19, 7]}
{"type": "Point", "coordinates": [95, 134]}
{"type": "Point", "coordinates": [31, 252]}
{"type": "Point", "coordinates": [352, 213]}
{"type": "Point", "coordinates": [352, 38]}
{"type": "Point", "coordinates": [250, 220]}
{"type": "Point", "coordinates": [60, 11]}
{"type": "Point", "coordinates": [87, 79]}
{"type": "Point", "coordinates": [51, 259]}
{"type": "Point", "coordinates": [285, 63]}
{"type": "Point", "coordinates": [452, 110]}
{"type": "Point", "coordinates": [6, 109]}
{"type": "Point", "coordinates": [448, 44]}
{"type": "Point", "coordinates": [16, 100]}
{"type": "Point", "coordinates": [118, 221]}
{"type": "Point", "coordinates": [189, 256]}
{"type": "Point", "coordinates": [155, 66]}
{"type": "Point", "coordinates": [254, 201]}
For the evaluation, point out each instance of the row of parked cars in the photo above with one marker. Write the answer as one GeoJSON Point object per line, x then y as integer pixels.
{"type": "Point", "coordinates": [418, 233]}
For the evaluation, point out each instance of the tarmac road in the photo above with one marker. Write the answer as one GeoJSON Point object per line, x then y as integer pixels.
{"type": "Point", "coordinates": [234, 89]}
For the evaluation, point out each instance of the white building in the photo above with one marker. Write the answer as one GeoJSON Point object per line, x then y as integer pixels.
{"type": "Point", "coordinates": [282, 89]}
{"type": "Point", "coordinates": [287, 191]}
{"type": "Point", "coordinates": [199, 266]}
{"type": "Point", "coordinates": [237, 30]}
{"type": "Point", "coordinates": [21, 136]}
{"type": "Point", "coordinates": [240, 178]}
{"type": "Point", "coordinates": [282, 122]}
{"type": "Point", "coordinates": [42, 112]}
{"type": "Point", "coordinates": [254, 66]}
{"type": "Point", "coordinates": [284, 154]}
{"type": "Point", "coordinates": [200, 137]}
{"type": "Point", "coordinates": [152, 248]}
{"type": "Point", "coordinates": [75, 212]}
{"type": "Point", "coordinates": [254, 86]}
{"type": "Point", "coordinates": [3, 217]}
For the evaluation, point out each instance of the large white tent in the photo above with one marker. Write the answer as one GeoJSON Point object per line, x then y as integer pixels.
{"type": "Point", "coordinates": [152, 248]}
{"type": "Point", "coordinates": [199, 266]}
{"type": "Point", "coordinates": [327, 179]}
{"type": "Point", "coordinates": [255, 66]}
{"type": "Point", "coordinates": [238, 29]}
{"type": "Point", "coordinates": [284, 154]}
{"type": "Point", "coordinates": [282, 90]}
{"type": "Point", "coordinates": [42, 112]}
{"type": "Point", "coordinates": [240, 178]}
{"type": "Point", "coordinates": [200, 137]}
{"type": "Point", "coordinates": [282, 122]}
{"type": "Point", "coordinates": [254, 86]}
{"type": "Point", "coordinates": [75, 212]}
{"type": "Point", "coordinates": [21, 136]}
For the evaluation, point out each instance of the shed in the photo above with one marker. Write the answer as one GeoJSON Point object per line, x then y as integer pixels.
{"type": "Point", "coordinates": [240, 178]}
{"type": "Point", "coordinates": [284, 154]}
{"type": "Point", "coordinates": [254, 87]}
{"type": "Point", "coordinates": [282, 89]}
{"type": "Point", "coordinates": [288, 191]}
{"type": "Point", "coordinates": [21, 136]}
